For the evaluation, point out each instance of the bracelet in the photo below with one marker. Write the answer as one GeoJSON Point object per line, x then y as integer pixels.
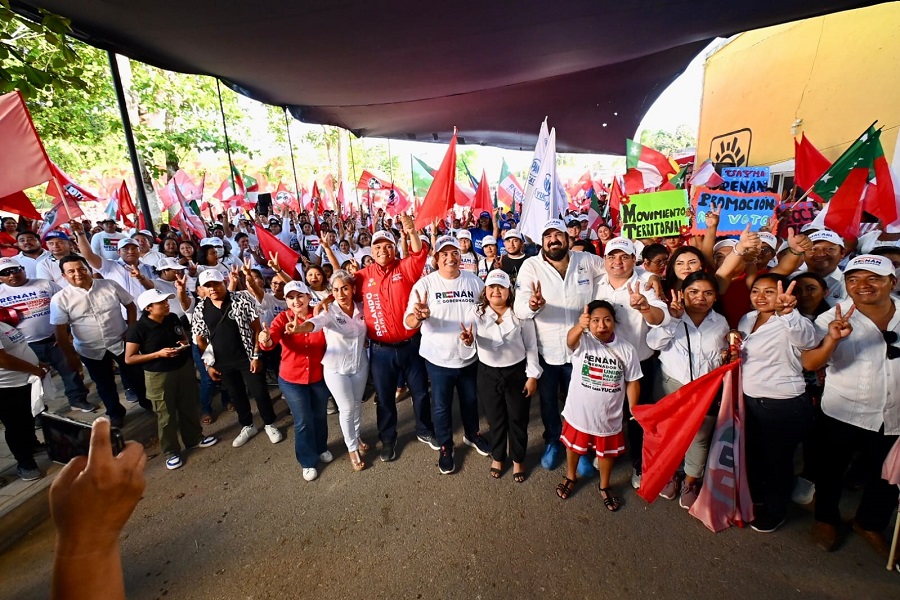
{"type": "Point", "coordinates": [791, 250]}
{"type": "Point", "coordinates": [734, 249]}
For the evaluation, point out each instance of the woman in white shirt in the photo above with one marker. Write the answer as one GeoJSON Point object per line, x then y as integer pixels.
{"type": "Point", "coordinates": [508, 370]}
{"type": "Point", "coordinates": [779, 410]}
{"type": "Point", "coordinates": [690, 345]}
{"type": "Point", "coordinates": [315, 279]}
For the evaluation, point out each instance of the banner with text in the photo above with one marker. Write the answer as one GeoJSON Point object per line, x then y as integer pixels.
{"type": "Point", "coordinates": [737, 210]}
{"type": "Point", "coordinates": [747, 180]}
{"type": "Point", "coordinates": [657, 214]}
{"type": "Point", "coordinates": [795, 215]}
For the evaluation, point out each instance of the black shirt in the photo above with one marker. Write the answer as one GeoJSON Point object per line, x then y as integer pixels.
{"type": "Point", "coordinates": [224, 335]}
{"type": "Point", "coordinates": [152, 337]}
{"type": "Point", "coordinates": [511, 266]}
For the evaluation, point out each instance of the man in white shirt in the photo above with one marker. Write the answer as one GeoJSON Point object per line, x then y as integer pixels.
{"type": "Point", "coordinates": [92, 309]}
{"type": "Point", "coordinates": [861, 399]}
{"type": "Point", "coordinates": [553, 288]}
{"type": "Point", "coordinates": [106, 243]}
{"type": "Point", "coordinates": [30, 299]}
{"type": "Point", "coordinates": [126, 269]}
{"type": "Point", "coordinates": [823, 260]}
{"type": "Point", "coordinates": [30, 252]}
{"type": "Point", "coordinates": [60, 246]}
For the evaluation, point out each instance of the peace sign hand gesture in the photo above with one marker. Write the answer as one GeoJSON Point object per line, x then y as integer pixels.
{"type": "Point", "coordinates": [273, 261]}
{"type": "Point", "coordinates": [712, 217]}
{"type": "Point", "coordinates": [537, 301]}
{"type": "Point", "coordinates": [293, 325]}
{"type": "Point", "coordinates": [784, 299]}
{"type": "Point", "coordinates": [181, 282]}
{"type": "Point", "coordinates": [467, 337]}
{"type": "Point", "coordinates": [676, 307]}
{"type": "Point", "coordinates": [841, 327]}
{"type": "Point", "coordinates": [247, 266]}
{"type": "Point", "coordinates": [637, 300]}
{"type": "Point", "coordinates": [420, 307]}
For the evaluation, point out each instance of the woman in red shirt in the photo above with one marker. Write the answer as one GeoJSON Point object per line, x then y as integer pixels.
{"type": "Point", "coordinates": [300, 377]}
{"type": "Point", "coordinates": [8, 237]}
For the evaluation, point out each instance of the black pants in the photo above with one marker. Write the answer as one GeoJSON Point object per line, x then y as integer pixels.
{"type": "Point", "coordinates": [774, 430]}
{"type": "Point", "coordinates": [15, 414]}
{"type": "Point", "coordinates": [837, 442]}
{"type": "Point", "coordinates": [101, 371]}
{"type": "Point", "coordinates": [237, 380]}
{"type": "Point", "coordinates": [506, 409]}
{"type": "Point", "coordinates": [633, 431]}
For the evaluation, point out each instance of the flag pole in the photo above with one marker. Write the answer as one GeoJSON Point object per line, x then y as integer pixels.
{"type": "Point", "coordinates": [227, 145]}
{"type": "Point", "coordinates": [287, 127]}
{"type": "Point", "coordinates": [353, 166]}
{"type": "Point", "coordinates": [62, 196]}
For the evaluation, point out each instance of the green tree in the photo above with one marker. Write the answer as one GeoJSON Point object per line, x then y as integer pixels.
{"type": "Point", "coordinates": [668, 142]}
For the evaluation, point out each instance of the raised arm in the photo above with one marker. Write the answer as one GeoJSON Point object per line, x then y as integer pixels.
{"type": "Point", "coordinates": [84, 246]}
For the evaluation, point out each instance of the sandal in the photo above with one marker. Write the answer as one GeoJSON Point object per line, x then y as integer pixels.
{"type": "Point", "coordinates": [356, 462]}
{"type": "Point", "coordinates": [230, 407]}
{"type": "Point", "coordinates": [612, 503]}
{"type": "Point", "coordinates": [565, 488]}
{"type": "Point", "coordinates": [363, 447]}
{"type": "Point", "coordinates": [519, 477]}
{"type": "Point", "coordinates": [207, 419]}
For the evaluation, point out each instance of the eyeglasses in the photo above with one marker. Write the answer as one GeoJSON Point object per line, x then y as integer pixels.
{"type": "Point", "coordinates": [14, 270]}
{"type": "Point", "coordinates": [890, 337]}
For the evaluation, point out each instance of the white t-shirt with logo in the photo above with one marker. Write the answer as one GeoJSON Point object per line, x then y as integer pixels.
{"type": "Point", "coordinates": [107, 244]}
{"type": "Point", "coordinates": [31, 301]}
{"type": "Point", "coordinates": [12, 341]}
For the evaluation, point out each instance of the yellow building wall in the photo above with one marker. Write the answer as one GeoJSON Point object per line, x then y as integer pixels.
{"type": "Point", "coordinates": [837, 73]}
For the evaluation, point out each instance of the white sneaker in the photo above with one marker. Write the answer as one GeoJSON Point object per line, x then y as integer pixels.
{"type": "Point", "coordinates": [635, 479]}
{"type": "Point", "coordinates": [326, 457]}
{"type": "Point", "coordinates": [804, 491]}
{"type": "Point", "coordinates": [310, 474]}
{"type": "Point", "coordinates": [244, 436]}
{"type": "Point", "coordinates": [275, 436]}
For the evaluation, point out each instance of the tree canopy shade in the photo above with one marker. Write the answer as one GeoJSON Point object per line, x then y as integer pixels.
{"type": "Point", "coordinates": [410, 69]}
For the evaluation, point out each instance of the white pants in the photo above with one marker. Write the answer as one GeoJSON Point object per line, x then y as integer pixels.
{"type": "Point", "coordinates": [347, 391]}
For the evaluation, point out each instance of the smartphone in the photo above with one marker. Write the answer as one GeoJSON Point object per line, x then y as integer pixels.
{"type": "Point", "coordinates": [67, 438]}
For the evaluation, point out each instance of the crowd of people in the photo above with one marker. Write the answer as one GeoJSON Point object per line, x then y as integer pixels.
{"type": "Point", "coordinates": [469, 309]}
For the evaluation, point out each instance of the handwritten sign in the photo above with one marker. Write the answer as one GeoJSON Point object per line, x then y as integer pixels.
{"type": "Point", "coordinates": [796, 217]}
{"type": "Point", "coordinates": [738, 209]}
{"type": "Point", "coordinates": [658, 214]}
{"type": "Point", "coordinates": [746, 180]}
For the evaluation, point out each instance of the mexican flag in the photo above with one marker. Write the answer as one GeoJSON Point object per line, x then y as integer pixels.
{"type": "Point", "coordinates": [706, 175]}
{"type": "Point", "coordinates": [647, 168]}
{"type": "Point", "coordinates": [509, 192]}
{"type": "Point", "coordinates": [595, 219]}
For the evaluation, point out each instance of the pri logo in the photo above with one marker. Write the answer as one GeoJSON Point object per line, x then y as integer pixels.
{"type": "Point", "coordinates": [282, 197]}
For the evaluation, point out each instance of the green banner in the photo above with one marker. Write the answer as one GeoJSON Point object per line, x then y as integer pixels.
{"type": "Point", "coordinates": [658, 214]}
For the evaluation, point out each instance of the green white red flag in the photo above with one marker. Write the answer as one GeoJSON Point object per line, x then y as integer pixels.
{"type": "Point", "coordinates": [647, 168]}
{"type": "Point", "coordinates": [509, 192]}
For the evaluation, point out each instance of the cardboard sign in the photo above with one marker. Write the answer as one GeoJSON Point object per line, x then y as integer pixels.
{"type": "Point", "coordinates": [746, 180]}
{"type": "Point", "coordinates": [658, 214]}
{"type": "Point", "coordinates": [737, 210]}
{"type": "Point", "coordinates": [801, 214]}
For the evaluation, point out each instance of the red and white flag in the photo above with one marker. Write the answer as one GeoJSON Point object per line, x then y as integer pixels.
{"type": "Point", "coordinates": [285, 198]}
{"type": "Point", "coordinates": [73, 191]}
{"type": "Point", "coordinates": [23, 162]}
{"type": "Point", "coordinates": [57, 216]}
{"type": "Point", "coordinates": [647, 168]}
{"type": "Point", "coordinates": [706, 175]}
{"type": "Point", "coordinates": [185, 213]}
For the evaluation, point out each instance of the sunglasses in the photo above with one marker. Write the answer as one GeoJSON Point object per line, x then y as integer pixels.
{"type": "Point", "coordinates": [890, 337]}
{"type": "Point", "coordinates": [14, 270]}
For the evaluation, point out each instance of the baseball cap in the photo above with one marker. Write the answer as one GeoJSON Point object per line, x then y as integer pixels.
{"type": "Point", "coordinates": [9, 263]}
{"type": "Point", "coordinates": [152, 297]}
{"type": "Point", "coordinates": [274, 219]}
{"type": "Point", "coordinates": [506, 225]}
{"type": "Point", "coordinates": [512, 233]}
{"type": "Point", "coordinates": [296, 286]}
{"type": "Point", "coordinates": [143, 232]}
{"type": "Point", "coordinates": [382, 236]}
{"type": "Point", "coordinates": [619, 243]}
{"type": "Point", "coordinates": [425, 240]}
{"type": "Point", "coordinates": [126, 242]}
{"type": "Point", "coordinates": [446, 240]}
{"type": "Point", "coordinates": [497, 277]}
{"type": "Point", "coordinates": [464, 234]}
{"type": "Point", "coordinates": [209, 275]}
{"type": "Point", "coordinates": [212, 241]}
{"type": "Point", "coordinates": [573, 222]}
{"type": "Point", "coordinates": [583, 218]}
{"type": "Point", "coordinates": [169, 263]}
{"type": "Point", "coordinates": [824, 235]}
{"type": "Point", "coordinates": [769, 239]}
{"type": "Point", "coordinates": [488, 239]}
{"type": "Point", "coordinates": [880, 265]}
{"type": "Point", "coordinates": [57, 235]}
{"type": "Point", "coordinates": [728, 243]}
{"type": "Point", "coordinates": [556, 224]}
{"type": "Point", "coordinates": [484, 215]}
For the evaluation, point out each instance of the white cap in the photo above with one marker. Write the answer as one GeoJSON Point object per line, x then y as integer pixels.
{"type": "Point", "coordinates": [619, 243]}
{"type": "Point", "coordinates": [497, 277]}
{"type": "Point", "coordinates": [556, 224]}
{"type": "Point", "coordinates": [880, 265]}
{"type": "Point", "coordinates": [726, 243]}
{"type": "Point", "coordinates": [212, 241]}
{"type": "Point", "coordinates": [9, 263]}
{"type": "Point", "coordinates": [488, 239]}
{"type": "Point", "coordinates": [381, 236]}
{"type": "Point", "coordinates": [126, 242]}
{"type": "Point", "coordinates": [296, 286]}
{"type": "Point", "coordinates": [825, 235]}
{"type": "Point", "coordinates": [464, 234]}
{"type": "Point", "coordinates": [209, 275]}
{"type": "Point", "coordinates": [767, 238]}
{"type": "Point", "coordinates": [169, 263]}
{"type": "Point", "coordinates": [152, 297]}
{"type": "Point", "coordinates": [512, 233]}
{"type": "Point", "coordinates": [143, 232]}
{"type": "Point", "coordinates": [425, 240]}
{"type": "Point", "coordinates": [446, 240]}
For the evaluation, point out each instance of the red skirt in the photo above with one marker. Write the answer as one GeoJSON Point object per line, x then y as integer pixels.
{"type": "Point", "coordinates": [606, 446]}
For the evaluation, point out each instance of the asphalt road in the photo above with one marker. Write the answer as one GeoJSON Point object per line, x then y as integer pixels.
{"type": "Point", "coordinates": [242, 523]}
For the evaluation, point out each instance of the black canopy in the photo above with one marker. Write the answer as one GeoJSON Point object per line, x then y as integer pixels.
{"type": "Point", "coordinates": [414, 69]}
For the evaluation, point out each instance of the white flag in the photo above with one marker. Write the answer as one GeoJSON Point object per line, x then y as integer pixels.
{"type": "Point", "coordinates": [539, 149]}
{"type": "Point", "coordinates": [539, 204]}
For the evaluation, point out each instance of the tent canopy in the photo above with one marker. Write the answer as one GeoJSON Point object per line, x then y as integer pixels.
{"type": "Point", "coordinates": [414, 70]}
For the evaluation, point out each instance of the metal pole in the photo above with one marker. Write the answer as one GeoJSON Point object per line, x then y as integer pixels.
{"type": "Point", "coordinates": [287, 126]}
{"type": "Point", "coordinates": [353, 165]}
{"type": "Point", "coordinates": [227, 145]}
{"type": "Point", "coordinates": [129, 140]}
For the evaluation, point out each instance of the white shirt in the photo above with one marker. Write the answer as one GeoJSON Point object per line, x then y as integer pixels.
{"type": "Point", "coordinates": [107, 244]}
{"type": "Point", "coordinates": [31, 301]}
{"type": "Point", "coordinates": [630, 323]}
{"type": "Point", "coordinates": [12, 341]}
{"type": "Point", "coordinates": [505, 344]}
{"type": "Point", "coordinates": [837, 291]}
{"type": "Point", "coordinates": [118, 271]}
{"type": "Point", "coordinates": [345, 339]}
{"type": "Point", "coordinates": [565, 299]}
{"type": "Point", "coordinates": [95, 316]}
{"type": "Point", "coordinates": [771, 354]}
{"type": "Point", "coordinates": [48, 268]}
{"type": "Point", "coordinates": [862, 387]}
{"type": "Point", "coordinates": [270, 307]}
{"type": "Point", "coordinates": [469, 262]}
{"type": "Point", "coordinates": [167, 287]}
{"type": "Point", "coordinates": [30, 264]}
{"type": "Point", "coordinates": [449, 301]}
{"type": "Point", "coordinates": [340, 256]}
{"type": "Point", "coordinates": [706, 344]}
{"type": "Point", "coordinates": [596, 393]}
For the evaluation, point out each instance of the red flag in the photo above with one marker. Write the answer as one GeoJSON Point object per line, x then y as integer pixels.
{"type": "Point", "coordinates": [615, 203]}
{"type": "Point", "coordinates": [315, 196]}
{"type": "Point", "coordinates": [881, 195]}
{"type": "Point", "coordinates": [482, 201]}
{"type": "Point", "coordinates": [284, 197]}
{"type": "Point", "coordinates": [670, 426]}
{"type": "Point", "coordinates": [269, 244]}
{"type": "Point", "coordinates": [439, 199]}
{"type": "Point", "coordinates": [188, 217]}
{"type": "Point", "coordinates": [142, 223]}
{"type": "Point", "coordinates": [73, 191]}
{"type": "Point", "coordinates": [809, 165]}
{"type": "Point", "coordinates": [845, 208]}
{"type": "Point", "coordinates": [23, 162]}
{"type": "Point", "coordinates": [397, 202]}
{"type": "Point", "coordinates": [19, 204]}
{"type": "Point", "coordinates": [189, 189]}
{"type": "Point", "coordinates": [371, 177]}
{"type": "Point", "coordinates": [341, 200]}
{"type": "Point", "coordinates": [57, 216]}
{"type": "Point", "coordinates": [583, 184]}
{"type": "Point", "coordinates": [124, 204]}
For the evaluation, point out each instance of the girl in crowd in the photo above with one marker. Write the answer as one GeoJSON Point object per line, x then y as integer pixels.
{"type": "Point", "coordinates": [690, 345]}
{"type": "Point", "coordinates": [346, 362]}
{"type": "Point", "coordinates": [605, 372]}
{"type": "Point", "coordinates": [169, 248]}
{"type": "Point", "coordinates": [315, 281]}
{"type": "Point", "coordinates": [655, 258]}
{"type": "Point", "coordinates": [300, 377]}
{"type": "Point", "coordinates": [468, 260]}
{"type": "Point", "coordinates": [508, 370]}
{"type": "Point", "coordinates": [688, 259]}
{"type": "Point", "coordinates": [212, 255]}
{"type": "Point", "coordinates": [491, 259]}
{"type": "Point", "coordinates": [779, 410]}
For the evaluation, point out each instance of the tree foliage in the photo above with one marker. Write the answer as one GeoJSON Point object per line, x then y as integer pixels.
{"type": "Point", "coordinates": [668, 142]}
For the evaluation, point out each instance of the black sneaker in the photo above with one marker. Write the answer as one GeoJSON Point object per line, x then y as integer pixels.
{"type": "Point", "coordinates": [428, 439]}
{"type": "Point", "coordinates": [479, 443]}
{"type": "Point", "coordinates": [388, 451]}
{"type": "Point", "coordinates": [445, 461]}
{"type": "Point", "coordinates": [83, 405]}
{"type": "Point", "coordinates": [117, 421]}
{"type": "Point", "coordinates": [766, 523]}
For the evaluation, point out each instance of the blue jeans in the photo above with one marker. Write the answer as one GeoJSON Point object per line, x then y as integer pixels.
{"type": "Point", "coordinates": [307, 403]}
{"type": "Point", "coordinates": [387, 363]}
{"type": "Point", "coordinates": [443, 382]}
{"type": "Point", "coordinates": [48, 352]}
{"type": "Point", "coordinates": [207, 385]}
{"type": "Point", "coordinates": [554, 378]}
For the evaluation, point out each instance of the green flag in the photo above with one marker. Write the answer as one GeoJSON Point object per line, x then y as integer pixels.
{"type": "Point", "coordinates": [422, 176]}
{"type": "Point", "coordinates": [859, 154]}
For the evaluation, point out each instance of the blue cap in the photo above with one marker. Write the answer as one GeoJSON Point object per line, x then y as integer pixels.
{"type": "Point", "coordinates": [484, 215]}
{"type": "Point", "coordinates": [506, 225]}
{"type": "Point", "coordinates": [57, 235]}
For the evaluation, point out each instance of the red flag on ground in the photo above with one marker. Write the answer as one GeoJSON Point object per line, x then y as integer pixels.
{"type": "Point", "coordinates": [670, 426]}
{"type": "Point", "coordinates": [19, 204]}
{"type": "Point", "coordinates": [23, 162]}
{"type": "Point", "coordinates": [73, 191]}
{"type": "Point", "coordinates": [482, 201]}
{"type": "Point", "coordinates": [809, 165]}
{"type": "Point", "coordinates": [269, 244]}
{"type": "Point", "coordinates": [439, 199]}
